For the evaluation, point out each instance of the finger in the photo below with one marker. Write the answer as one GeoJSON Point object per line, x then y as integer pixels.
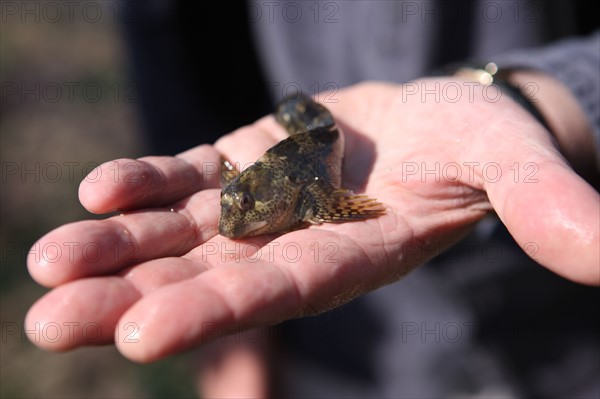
{"type": "Point", "coordinates": [188, 313]}
{"type": "Point", "coordinates": [149, 276]}
{"type": "Point", "coordinates": [236, 366]}
{"type": "Point", "coordinates": [150, 181]}
{"type": "Point", "coordinates": [84, 312]}
{"type": "Point", "coordinates": [282, 282]}
{"type": "Point", "coordinates": [92, 248]}
{"type": "Point", "coordinates": [553, 214]}
{"type": "Point", "coordinates": [244, 146]}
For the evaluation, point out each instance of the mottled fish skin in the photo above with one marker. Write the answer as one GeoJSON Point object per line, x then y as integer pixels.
{"type": "Point", "coordinates": [296, 182]}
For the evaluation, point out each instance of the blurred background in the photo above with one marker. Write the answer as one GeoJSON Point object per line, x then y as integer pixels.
{"type": "Point", "coordinates": [67, 105]}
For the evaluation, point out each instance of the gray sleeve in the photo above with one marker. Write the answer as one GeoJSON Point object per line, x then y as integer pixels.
{"type": "Point", "coordinates": [573, 61]}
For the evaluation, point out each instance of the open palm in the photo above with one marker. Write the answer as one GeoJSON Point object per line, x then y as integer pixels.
{"type": "Point", "coordinates": [159, 279]}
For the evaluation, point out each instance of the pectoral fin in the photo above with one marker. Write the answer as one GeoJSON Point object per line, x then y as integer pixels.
{"type": "Point", "coordinates": [325, 204]}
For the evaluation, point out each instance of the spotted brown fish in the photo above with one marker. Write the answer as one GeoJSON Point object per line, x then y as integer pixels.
{"type": "Point", "coordinates": [297, 182]}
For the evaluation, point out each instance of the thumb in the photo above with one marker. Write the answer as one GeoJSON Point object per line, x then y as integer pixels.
{"type": "Point", "coordinates": [554, 215]}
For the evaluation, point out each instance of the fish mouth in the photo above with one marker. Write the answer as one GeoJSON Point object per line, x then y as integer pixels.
{"type": "Point", "coordinates": [250, 229]}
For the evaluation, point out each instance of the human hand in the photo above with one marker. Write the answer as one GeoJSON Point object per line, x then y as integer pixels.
{"type": "Point", "coordinates": [162, 280]}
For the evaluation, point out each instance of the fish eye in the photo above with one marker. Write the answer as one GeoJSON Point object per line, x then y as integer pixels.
{"type": "Point", "coordinates": [245, 201]}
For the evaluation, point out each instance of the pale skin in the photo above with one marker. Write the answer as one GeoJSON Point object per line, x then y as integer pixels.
{"type": "Point", "coordinates": [180, 284]}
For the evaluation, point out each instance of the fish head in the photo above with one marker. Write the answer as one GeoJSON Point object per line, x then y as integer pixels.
{"type": "Point", "coordinates": [256, 202]}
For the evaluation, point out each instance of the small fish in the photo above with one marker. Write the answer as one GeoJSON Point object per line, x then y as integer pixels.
{"type": "Point", "coordinates": [297, 182]}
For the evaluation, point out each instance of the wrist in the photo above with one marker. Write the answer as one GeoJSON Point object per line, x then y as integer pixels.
{"type": "Point", "coordinates": [565, 118]}
{"type": "Point", "coordinates": [552, 104]}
